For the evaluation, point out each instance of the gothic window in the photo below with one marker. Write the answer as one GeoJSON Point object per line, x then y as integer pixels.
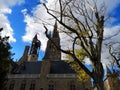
{"type": "Point", "coordinates": [72, 86]}
{"type": "Point", "coordinates": [51, 85]}
{"type": "Point", "coordinates": [12, 83]}
{"type": "Point", "coordinates": [23, 84]}
{"type": "Point", "coordinates": [32, 86]}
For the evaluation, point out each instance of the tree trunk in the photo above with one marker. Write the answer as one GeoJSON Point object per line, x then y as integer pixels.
{"type": "Point", "coordinates": [99, 86]}
{"type": "Point", "coordinates": [98, 75]}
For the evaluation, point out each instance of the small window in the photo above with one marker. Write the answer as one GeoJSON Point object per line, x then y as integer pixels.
{"type": "Point", "coordinates": [23, 85]}
{"type": "Point", "coordinates": [72, 87]}
{"type": "Point", "coordinates": [32, 86]}
{"type": "Point", "coordinates": [51, 87]}
{"type": "Point", "coordinates": [12, 83]}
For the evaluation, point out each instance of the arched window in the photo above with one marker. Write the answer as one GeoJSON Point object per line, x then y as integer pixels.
{"type": "Point", "coordinates": [32, 85]}
{"type": "Point", "coordinates": [23, 84]}
{"type": "Point", "coordinates": [12, 84]}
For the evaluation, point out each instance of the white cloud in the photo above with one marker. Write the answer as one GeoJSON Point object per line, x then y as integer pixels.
{"type": "Point", "coordinates": [34, 24]}
{"type": "Point", "coordinates": [5, 23]}
{"type": "Point", "coordinates": [109, 4]}
{"type": "Point", "coordinates": [113, 32]}
{"type": "Point", "coordinates": [32, 29]}
{"type": "Point", "coordinates": [9, 3]}
{"type": "Point", "coordinates": [7, 30]}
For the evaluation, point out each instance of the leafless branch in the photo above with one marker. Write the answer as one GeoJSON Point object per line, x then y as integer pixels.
{"type": "Point", "coordinates": [68, 52]}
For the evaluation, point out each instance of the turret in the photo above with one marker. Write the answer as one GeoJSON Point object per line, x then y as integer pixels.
{"type": "Point", "coordinates": [34, 51]}
{"type": "Point", "coordinates": [52, 52]}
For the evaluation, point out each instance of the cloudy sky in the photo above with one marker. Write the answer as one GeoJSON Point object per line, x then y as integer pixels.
{"type": "Point", "coordinates": [22, 19]}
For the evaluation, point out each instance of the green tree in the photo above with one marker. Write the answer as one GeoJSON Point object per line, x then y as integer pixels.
{"type": "Point", "coordinates": [5, 59]}
{"type": "Point", "coordinates": [87, 18]}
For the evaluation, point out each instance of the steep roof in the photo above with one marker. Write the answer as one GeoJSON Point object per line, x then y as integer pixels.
{"type": "Point", "coordinates": [57, 67]}
{"type": "Point", "coordinates": [28, 68]}
{"type": "Point", "coordinates": [61, 67]}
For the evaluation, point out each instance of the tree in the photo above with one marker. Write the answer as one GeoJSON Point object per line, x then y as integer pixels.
{"type": "Point", "coordinates": [87, 18]}
{"type": "Point", "coordinates": [80, 53]}
{"type": "Point", "coordinates": [5, 57]}
{"type": "Point", "coordinates": [114, 51]}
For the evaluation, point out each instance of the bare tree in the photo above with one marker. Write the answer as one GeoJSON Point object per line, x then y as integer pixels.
{"type": "Point", "coordinates": [114, 51]}
{"type": "Point", "coordinates": [86, 23]}
{"type": "Point", "coordinates": [114, 71]}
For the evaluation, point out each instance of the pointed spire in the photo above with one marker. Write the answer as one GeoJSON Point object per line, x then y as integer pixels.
{"type": "Point", "coordinates": [55, 25]}
{"type": "Point", "coordinates": [35, 37]}
{"type": "Point", "coordinates": [55, 31]}
{"type": "Point", "coordinates": [51, 51]}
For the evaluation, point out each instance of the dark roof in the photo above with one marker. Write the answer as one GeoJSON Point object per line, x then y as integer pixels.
{"type": "Point", "coordinates": [61, 67]}
{"type": "Point", "coordinates": [57, 67]}
{"type": "Point", "coordinates": [28, 68]}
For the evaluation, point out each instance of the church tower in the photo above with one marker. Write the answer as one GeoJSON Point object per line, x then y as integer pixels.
{"type": "Point", "coordinates": [34, 51]}
{"type": "Point", "coordinates": [52, 52]}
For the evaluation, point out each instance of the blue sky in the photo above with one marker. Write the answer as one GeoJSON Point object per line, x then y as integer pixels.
{"type": "Point", "coordinates": [16, 19]}
{"type": "Point", "coordinates": [21, 25]}
{"type": "Point", "coordinates": [17, 23]}
{"type": "Point", "coordinates": [116, 14]}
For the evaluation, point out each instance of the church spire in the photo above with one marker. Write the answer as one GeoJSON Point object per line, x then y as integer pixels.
{"type": "Point", "coordinates": [55, 31]}
{"type": "Point", "coordinates": [51, 51]}
{"type": "Point", "coordinates": [35, 47]}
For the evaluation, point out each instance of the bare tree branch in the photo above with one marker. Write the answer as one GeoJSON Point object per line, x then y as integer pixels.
{"type": "Point", "coordinates": [68, 52]}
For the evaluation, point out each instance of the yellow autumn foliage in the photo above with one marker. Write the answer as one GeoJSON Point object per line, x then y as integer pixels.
{"type": "Point", "coordinates": [80, 54]}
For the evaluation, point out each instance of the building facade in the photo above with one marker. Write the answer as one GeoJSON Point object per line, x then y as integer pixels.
{"type": "Point", "coordinates": [51, 73]}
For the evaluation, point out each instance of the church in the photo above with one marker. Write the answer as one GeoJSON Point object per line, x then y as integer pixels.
{"type": "Point", "coordinates": [51, 73]}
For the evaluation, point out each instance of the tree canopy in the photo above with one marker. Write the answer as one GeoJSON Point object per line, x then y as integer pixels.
{"type": "Point", "coordinates": [5, 59]}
